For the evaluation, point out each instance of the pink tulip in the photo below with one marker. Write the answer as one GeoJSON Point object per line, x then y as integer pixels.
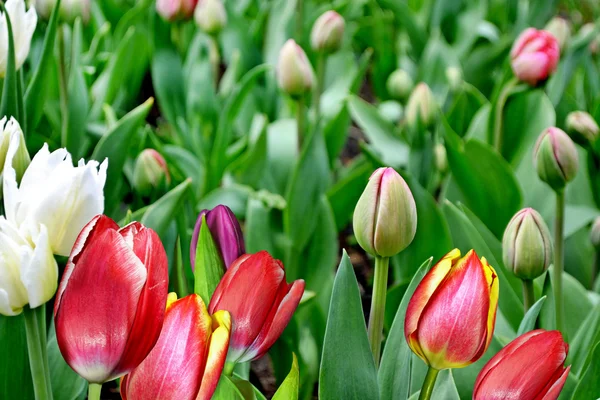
{"type": "Point", "coordinates": [534, 56]}
{"type": "Point", "coordinates": [173, 10]}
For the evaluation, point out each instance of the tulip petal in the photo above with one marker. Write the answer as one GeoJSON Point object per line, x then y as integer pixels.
{"type": "Point", "coordinates": [217, 354]}
{"type": "Point", "coordinates": [556, 387]}
{"type": "Point", "coordinates": [13, 295]}
{"type": "Point", "coordinates": [493, 284]}
{"type": "Point", "coordinates": [39, 271]}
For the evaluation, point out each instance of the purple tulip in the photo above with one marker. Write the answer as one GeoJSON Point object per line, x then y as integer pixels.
{"type": "Point", "coordinates": [226, 232]}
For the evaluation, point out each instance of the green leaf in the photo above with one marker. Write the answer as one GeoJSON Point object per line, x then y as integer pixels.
{"type": "Point", "coordinates": [66, 383]}
{"type": "Point", "coordinates": [162, 213]}
{"type": "Point", "coordinates": [250, 167]}
{"type": "Point", "coordinates": [259, 228]}
{"type": "Point", "coordinates": [227, 390]}
{"type": "Point", "coordinates": [209, 268]}
{"type": "Point", "coordinates": [530, 317]}
{"type": "Point", "coordinates": [167, 80]}
{"type": "Point", "coordinates": [15, 376]}
{"type": "Point", "coordinates": [395, 369]}
{"type": "Point", "coordinates": [10, 94]}
{"type": "Point", "coordinates": [589, 384]}
{"type": "Point", "coordinates": [290, 386]}
{"type": "Point", "coordinates": [586, 338]}
{"type": "Point", "coordinates": [347, 368]}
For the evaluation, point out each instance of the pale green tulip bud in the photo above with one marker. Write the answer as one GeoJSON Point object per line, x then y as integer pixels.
{"type": "Point", "coordinates": [400, 84]}
{"type": "Point", "coordinates": [454, 77]}
{"type": "Point", "coordinates": [69, 9]}
{"type": "Point", "coordinates": [421, 107]}
{"type": "Point", "coordinates": [12, 135]}
{"type": "Point", "coordinates": [560, 28]}
{"type": "Point", "coordinates": [391, 110]}
{"type": "Point", "coordinates": [210, 16]}
{"type": "Point", "coordinates": [555, 158]}
{"type": "Point", "coordinates": [294, 73]}
{"type": "Point", "coordinates": [150, 172]}
{"type": "Point", "coordinates": [327, 32]}
{"type": "Point", "coordinates": [441, 158]}
{"type": "Point", "coordinates": [595, 234]}
{"type": "Point", "coordinates": [582, 127]}
{"type": "Point", "coordinates": [385, 217]}
{"type": "Point", "coordinates": [526, 245]}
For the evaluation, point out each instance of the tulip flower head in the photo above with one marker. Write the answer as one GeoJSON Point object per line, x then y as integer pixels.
{"type": "Point", "coordinates": [11, 135]}
{"type": "Point", "coordinates": [294, 73]}
{"type": "Point", "coordinates": [226, 232]}
{"type": "Point", "coordinates": [421, 107]}
{"type": "Point", "coordinates": [526, 245]}
{"type": "Point", "coordinates": [150, 172]}
{"type": "Point", "coordinates": [173, 10]}
{"type": "Point", "coordinates": [534, 56]}
{"type": "Point", "coordinates": [582, 127]}
{"type": "Point", "coordinates": [451, 316]}
{"type": "Point", "coordinates": [210, 16]}
{"type": "Point", "coordinates": [23, 25]}
{"type": "Point", "coordinates": [530, 367]}
{"type": "Point", "coordinates": [260, 301]}
{"type": "Point", "coordinates": [555, 158]}
{"type": "Point", "coordinates": [187, 360]}
{"type": "Point", "coordinates": [110, 304]}
{"type": "Point", "coordinates": [385, 217]}
{"type": "Point", "coordinates": [400, 84]}
{"type": "Point", "coordinates": [327, 32]}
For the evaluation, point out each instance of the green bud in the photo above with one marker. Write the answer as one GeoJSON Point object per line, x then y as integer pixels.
{"type": "Point", "coordinates": [400, 84]}
{"type": "Point", "coordinates": [385, 217]}
{"type": "Point", "coordinates": [454, 77]}
{"type": "Point", "coordinates": [582, 127]}
{"type": "Point", "coordinates": [526, 245]}
{"type": "Point", "coordinates": [210, 16]}
{"type": "Point", "coordinates": [441, 158]}
{"type": "Point", "coordinates": [150, 172]}
{"type": "Point", "coordinates": [391, 110]}
{"type": "Point", "coordinates": [327, 32]}
{"type": "Point", "coordinates": [294, 73]}
{"type": "Point", "coordinates": [12, 135]}
{"type": "Point", "coordinates": [421, 107]}
{"type": "Point", "coordinates": [595, 234]}
{"type": "Point", "coordinates": [555, 158]}
{"type": "Point", "coordinates": [560, 29]}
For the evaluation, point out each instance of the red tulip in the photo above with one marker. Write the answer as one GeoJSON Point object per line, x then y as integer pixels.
{"type": "Point", "coordinates": [188, 358]}
{"type": "Point", "coordinates": [534, 56]}
{"type": "Point", "coordinates": [110, 304]}
{"type": "Point", "coordinates": [260, 302]}
{"type": "Point", "coordinates": [531, 367]}
{"type": "Point", "coordinates": [450, 317]}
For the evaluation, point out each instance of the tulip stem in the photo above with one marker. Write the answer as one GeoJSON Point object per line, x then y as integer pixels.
{"type": "Point", "coordinates": [559, 261]}
{"type": "Point", "coordinates": [94, 390]}
{"type": "Point", "coordinates": [498, 116]}
{"type": "Point", "coordinates": [378, 306]}
{"type": "Point", "coordinates": [215, 59]}
{"type": "Point", "coordinates": [528, 294]}
{"type": "Point", "coordinates": [321, 63]}
{"type": "Point", "coordinates": [428, 384]}
{"type": "Point", "coordinates": [228, 368]}
{"type": "Point", "coordinates": [300, 121]}
{"type": "Point", "coordinates": [63, 86]}
{"type": "Point", "coordinates": [35, 327]}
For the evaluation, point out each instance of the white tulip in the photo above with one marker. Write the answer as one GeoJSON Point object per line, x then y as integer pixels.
{"type": "Point", "coordinates": [28, 270]}
{"type": "Point", "coordinates": [55, 194]}
{"type": "Point", "coordinates": [21, 160]}
{"type": "Point", "coordinates": [23, 25]}
{"type": "Point", "coordinates": [69, 9]}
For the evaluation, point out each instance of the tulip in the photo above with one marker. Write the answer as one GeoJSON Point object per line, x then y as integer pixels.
{"type": "Point", "coordinates": [11, 135]}
{"type": "Point", "coordinates": [454, 76]}
{"type": "Point", "coordinates": [582, 127]}
{"type": "Point", "coordinates": [23, 25]}
{"type": "Point", "coordinates": [399, 84]}
{"type": "Point", "coordinates": [555, 158]}
{"type": "Point", "coordinates": [261, 304]}
{"type": "Point", "coordinates": [187, 360]}
{"type": "Point", "coordinates": [534, 56]}
{"type": "Point", "coordinates": [55, 194]}
{"type": "Point", "coordinates": [210, 16]}
{"type": "Point", "coordinates": [385, 217]}
{"type": "Point", "coordinates": [560, 29]}
{"type": "Point", "coordinates": [327, 32]}
{"type": "Point", "coordinates": [421, 107]}
{"type": "Point", "coordinates": [150, 172]}
{"type": "Point", "coordinates": [173, 10]}
{"type": "Point", "coordinates": [450, 317]}
{"type": "Point", "coordinates": [294, 72]}
{"type": "Point", "coordinates": [69, 9]}
{"type": "Point", "coordinates": [595, 233]}
{"type": "Point", "coordinates": [441, 158]}
{"type": "Point", "coordinates": [530, 367]}
{"type": "Point", "coordinates": [110, 304]}
{"type": "Point", "coordinates": [226, 232]}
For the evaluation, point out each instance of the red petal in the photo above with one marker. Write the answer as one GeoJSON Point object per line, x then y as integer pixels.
{"type": "Point", "coordinates": [554, 391]}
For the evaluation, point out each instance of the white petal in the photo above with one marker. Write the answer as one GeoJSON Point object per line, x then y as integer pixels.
{"type": "Point", "coordinates": [13, 295]}
{"type": "Point", "coordinates": [39, 272]}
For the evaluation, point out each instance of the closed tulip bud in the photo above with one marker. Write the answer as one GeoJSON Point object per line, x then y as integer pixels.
{"type": "Point", "coordinates": [555, 158]}
{"type": "Point", "coordinates": [385, 217]}
{"type": "Point", "coordinates": [11, 135]}
{"type": "Point", "coordinates": [399, 84]}
{"type": "Point", "coordinates": [528, 368]}
{"type": "Point", "coordinates": [441, 158]}
{"type": "Point", "coordinates": [421, 107]}
{"type": "Point", "coordinates": [260, 301]}
{"type": "Point", "coordinates": [174, 10]}
{"type": "Point", "coordinates": [451, 316]}
{"type": "Point", "coordinates": [110, 304]}
{"type": "Point", "coordinates": [226, 232]}
{"type": "Point", "coordinates": [582, 127]}
{"type": "Point", "coordinates": [210, 16]}
{"type": "Point", "coordinates": [595, 233]}
{"type": "Point", "coordinates": [294, 73]}
{"type": "Point", "coordinates": [327, 32]}
{"type": "Point", "coordinates": [526, 245]}
{"type": "Point", "coordinates": [23, 25]}
{"type": "Point", "coordinates": [560, 29]}
{"type": "Point", "coordinates": [150, 172]}
{"type": "Point", "coordinates": [391, 110]}
{"type": "Point", "coordinates": [187, 360]}
{"type": "Point", "coordinates": [69, 9]}
{"type": "Point", "coordinates": [534, 56]}
{"type": "Point", "coordinates": [454, 77]}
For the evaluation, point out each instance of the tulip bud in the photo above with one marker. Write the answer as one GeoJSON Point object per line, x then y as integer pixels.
{"type": "Point", "coordinates": [226, 232]}
{"type": "Point", "coordinates": [421, 107]}
{"type": "Point", "coordinates": [385, 217]}
{"type": "Point", "coordinates": [150, 172]}
{"type": "Point", "coordinates": [187, 360]}
{"type": "Point", "coordinates": [595, 233]}
{"type": "Point", "coordinates": [110, 304]}
{"type": "Point", "coordinates": [560, 29]}
{"type": "Point", "coordinates": [294, 73]}
{"type": "Point", "coordinates": [173, 10]}
{"type": "Point", "coordinates": [399, 84]}
{"type": "Point", "coordinates": [526, 245]}
{"type": "Point", "coordinates": [534, 56]}
{"type": "Point", "coordinates": [210, 16]}
{"type": "Point", "coordinates": [11, 135]}
{"type": "Point", "coordinates": [260, 301]}
{"type": "Point", "coordinates": [327, 32]}
{"type": "Point", "coordinates": [23, 23]}
{"type": "Point", "coordinates": [451, 316]}
{"type": "Point", "coordinates": [391, 110]}
{"type": "Point", "coordinates": [454, 77]}
{"type": "Point", "coordinates": [582, 127]}
{"type": "Point", "coordinates": [555, 158]}
{"type": "Point", "coordinates": [529, 367]}
{"type": "Point", "coordinates": [441, 158]}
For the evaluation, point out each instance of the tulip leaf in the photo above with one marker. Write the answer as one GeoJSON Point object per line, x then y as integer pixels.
{"type": "Point", "coordinates": [290, 386]}
{"type": "Point", "coordinates": [15, 376]}
{"type": "Point", "coordinates": [395, 369]}
{"type": "Point", "coordinates": [209, 267]}
{"type": "Point", "coordinates": [227, 390]}
{"type": "Point", "coordinates": [162, 213]}
{"type": "Point", "coordinates": [580, 346]}
{"type": "Point", "coordinates": [347, 367]}
{"type": "Point", "coordinates": [66, 383]}
{"type": "Point", "coordinates": [10, 104]}
{"type": "Point", "coordinates": [589, 384]}
{"type": "Point", "coordinates": [530, 317]}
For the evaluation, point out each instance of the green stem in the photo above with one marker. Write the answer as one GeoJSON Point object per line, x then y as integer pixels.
{"type": "Point", "coordinates": [63, 85]}
{"type": "Point", "coordinates": [378, 306]}
{"type": "Point", "coordinates": [299, 20]}
{"type": "Point", "coordinates": [528, 294]}
{"type": "Point", "coordinates": [300, 122]}
{"type": "Point", "coordinates": [228, 368]}
{"type": "Point", "coordinates": [498, 116]}
{"type": "Point", "coordinates": [215, 59]}
{"type": "Point", "coordinates": [35, 326]}
{"type": "Point", "coordinates": [559, 261]}
{"type": "Point", "coordinates": [94, 390]}
{"type": "Point", "coordinates": [428, 384]}
{"type": "Point", "coordinates": [321, 64]}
